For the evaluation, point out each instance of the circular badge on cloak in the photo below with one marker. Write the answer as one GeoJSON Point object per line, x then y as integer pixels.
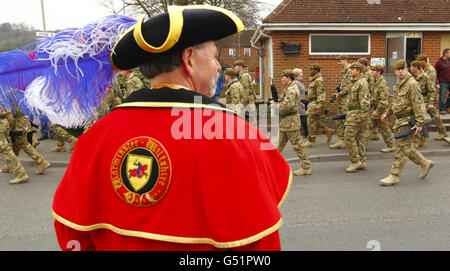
{"type": "Point", "coordinates": [141, 171]}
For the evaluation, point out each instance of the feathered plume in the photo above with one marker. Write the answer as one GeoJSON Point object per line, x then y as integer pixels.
{"type": "Point", "coordinates": [66, 76]}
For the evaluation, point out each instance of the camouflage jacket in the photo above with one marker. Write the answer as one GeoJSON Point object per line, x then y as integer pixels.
{"type": "Point", "coordinates": [345, 80]}
{"type": "Point", "coordinates": [316, 92]}
{"type": "Point", "coordinates": [358, 101]}
{"type": "Point", "coordinates": [233, 92]}
{"type": "Point", "coordinates": [379, 96]}
{"type": "Point", "coordinates": [427, 88]}
{"type": "Point", "coordinates": [407, 103]}
{"type": "Point", "coordinates": [431, 72]}
{"type": "Point", "coordinates": [246, 81]}
{"type": "Point", "coordinates": [288, 106]}
{"type": "Point", "coordinates": [132, 83]}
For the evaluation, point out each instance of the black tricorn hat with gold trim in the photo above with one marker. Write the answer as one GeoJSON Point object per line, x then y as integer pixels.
{"type": "Point", "coordinates": [179, 28]}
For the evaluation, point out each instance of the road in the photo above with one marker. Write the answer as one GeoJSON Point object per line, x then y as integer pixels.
{"type": "Point", "coordinates": [329, 210]}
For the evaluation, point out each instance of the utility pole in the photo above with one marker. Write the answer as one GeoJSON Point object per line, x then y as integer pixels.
{"type": "Point", "coordinates": [43, 15]}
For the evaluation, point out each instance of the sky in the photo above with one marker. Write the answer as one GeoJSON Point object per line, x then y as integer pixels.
{"type": "Point", "coordinates": [60, 14]}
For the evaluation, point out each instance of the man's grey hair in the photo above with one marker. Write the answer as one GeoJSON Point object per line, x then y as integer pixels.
{"type": "Point", "coordinates": [297, 71]}
{"type": "Point", "coordinates": [167, 62]}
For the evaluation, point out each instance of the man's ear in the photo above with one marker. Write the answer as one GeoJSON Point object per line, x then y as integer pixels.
{"type": "Point", "coordinates": [187, 56]}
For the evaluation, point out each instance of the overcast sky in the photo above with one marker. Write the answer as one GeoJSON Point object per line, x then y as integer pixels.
{"type": "Point", "coordinates": [59, 14]}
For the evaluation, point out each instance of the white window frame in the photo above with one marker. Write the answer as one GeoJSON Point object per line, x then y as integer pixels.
{"type": "Point", "coordinates": [231, 52]}
{"type": "Point", "coordinates": [249, 50]}
{"type": "Point", "coordinates": [340, 34]}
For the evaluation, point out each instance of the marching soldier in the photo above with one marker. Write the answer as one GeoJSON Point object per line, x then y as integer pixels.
{"type": "Point", "coordinates": [290, 121]}
{"type": "Point", "coordinates": [19, 132]}
{"type": "Point", "coordinates": [62, 136]}
{"type": "Point", "coordinates": [246, 81]}
{"type": "Point", "coordinates": [233, 93]}
{"type": "Point", "coordinates": [13, 164]}
{"type": "Point", "coordinates": [379, 103]}
{"type": "Point", "coordinates": [129, 83]}
{"type": "Point", "coordinates": [407, 104]}
{"type": "Point", "coordinates": [341, 98]}
{"type": "Point", "coordinates": [316, 107]}
{"type": "Point", "coordinates": [356, 123]}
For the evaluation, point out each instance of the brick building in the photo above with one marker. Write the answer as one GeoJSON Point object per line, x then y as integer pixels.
{"type": "Point", "coordinates": [238, 46]}
{"type": "Point", "coordinates": [300, 32]}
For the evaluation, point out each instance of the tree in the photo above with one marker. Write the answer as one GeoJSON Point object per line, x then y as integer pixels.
{"type": "Point", "coordinates": [249, 11]}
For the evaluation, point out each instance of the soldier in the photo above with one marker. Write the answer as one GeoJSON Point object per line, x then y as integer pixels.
{"type": "Point", "coordinates": [367, 74]}
{"type": "Point", "coordinates": [407, 104]}
{"type": "Point", "coordinates": [61, 137]}
{"type": "Point", "coordinates": [290, 121]}
{"type": "Point", "coordinates": [13, 164]}
{"type": "Point", "coordinates": [246, 81]}
{"type": "Point", "coordinates": [130, 83]}
{"type": "Point", "coordinates": [356, 123]}
{"type": "Point", "coordinates": [233, 92]}
{"type": "Point", "coordinates": [315, 114]}
{"type": "Point", "coordinates": [432, 110]}
{"type": "Point", "coordinates": [379, 103]}
{"type": "Point", "coordinates": [429, 94]}
{"type": "Point", "coordinates": [19, 130]}
{"type": "Point", "coordinates": [341, 98]}
{"type": "Point", "coordinates": [302, 107]}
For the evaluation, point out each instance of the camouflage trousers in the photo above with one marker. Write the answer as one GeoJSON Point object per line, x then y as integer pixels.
{"type": "Point", "coordinates": [377, 124]}
{"type": "Point", "coordinates": [62, 135]}
{"type": "Point", "coordinates": [11, 160]}
{"type": "Point", "coordinates": [21, 143]}
{"type": "Point", "coordinates": [315, 124]}
{"type": "Point", "coordinates": [420, 138]}
{"type": "Point", "coordinates": [340, 124]}
{"type": "Point", "coordinates": [356, 138]}
{"type": "Point", "coordinates": [405, 149]}
{"type": "Point", "coordinates": [296, 141]}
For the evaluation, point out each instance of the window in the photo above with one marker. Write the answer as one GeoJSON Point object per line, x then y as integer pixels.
{"type": "Point", "coordinates": [335, 44]}
{"type": "Point", "coordinates": [231, 52]}
{"type": "Point", "coordinates": [247, 52]}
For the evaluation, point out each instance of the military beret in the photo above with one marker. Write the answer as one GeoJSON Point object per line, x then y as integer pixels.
{"type": "Point", "coordinates": [230, 72]}
{"type": "Point", "coordinates": [364, 61]}
{"type": "Point", "coordinates": [342, 57]}
{"type": "Point", "coordinates": [421, 57]}
{"type": "Point", "coordinates": [315, 66]}
{"type": "Point", "coordinates": [179, 28]}
{"type": "Point", "coordinates": [240, 62]}
{"type": "Point", "coordinates": [378, 67]}
{"type": "Point", "coordinates": [401, 64]}
{"type": "Point", "coordinates": [415, 63]}
{"type": "Point", "coordinates": [355, 65]}
{"type": "Point", "coordinates": [287, 72]}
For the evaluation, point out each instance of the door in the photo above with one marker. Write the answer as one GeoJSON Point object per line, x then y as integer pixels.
{"type": "Point", "coordinates": [395, 51]}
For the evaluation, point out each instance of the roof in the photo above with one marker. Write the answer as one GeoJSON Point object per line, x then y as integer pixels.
{"type": "Point", "coordinates": [360, 11]}
{"type": "Point", "coordinates": [233, 40]}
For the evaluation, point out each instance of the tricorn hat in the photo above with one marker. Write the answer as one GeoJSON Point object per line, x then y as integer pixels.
{"type": "Point", "coordinates": [179, 28]}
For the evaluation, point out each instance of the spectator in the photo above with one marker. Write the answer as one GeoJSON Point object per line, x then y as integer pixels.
{"type": "Point", "coordinates": [219, 88]}
{"type": "Point", "coordinates": [443, 76]}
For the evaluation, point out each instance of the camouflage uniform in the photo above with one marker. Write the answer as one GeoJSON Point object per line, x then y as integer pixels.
{"type": "Point", "coordinates": [13, 164]}
{"type": "Point", "coordinates": [379, 102]}
{"type": "Point", "coordinates": [357, 133]}
{"type": "Point", "coordinates": [61, 137]}
{"type": "Point", "coordinates": [130, 84]}
{"type": "Point", "coordinates": [342, 106]}
{"type": "Point", "coordinates": [407, 104]}
{"type": "Point", "coordinates": [317, 97]}
{"type": "Point", "coordinates": [20, 129]}
{"type": "Point", "coordinates": [246, 81]}
{"type": "Point", "coordinates": [233, 96]}
{"type": "Point", "coordinates": [290, 123]}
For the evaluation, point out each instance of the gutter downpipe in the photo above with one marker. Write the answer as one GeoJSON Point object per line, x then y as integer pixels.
{"type": "Point", "coordinates": [260, 33]}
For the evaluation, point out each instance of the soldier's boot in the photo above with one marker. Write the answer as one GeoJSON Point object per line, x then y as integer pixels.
{"type": "Point", "coordinates": [20, 179]}
{"type": "Point", "coordinates": [389, 180]}
{"type": "Point", "coordinates": [426, 166]}
{"type": "Point", "coordinates": [35, 143]}
{"type": "Point", "coordinates": [311, 143]}
{"type": "Point", "coordinates": [441, 136]}
{"type": "Point", "coordinates": [330, 133]}
{"type": "Point", "coordinates": [59, 149]}
{"type": "Point", "coordinates": [423, 143]}
{"type": "Point", "coordinates": [42, 167]}
{"type": "Point", "coordinates": [302, 171]}
{"type": "Point", "coordinates": [4, 169]}
{"type": "Point", "coordinates": [362, 166]}
{"type": "Point", "coordinates": [375, 137]}
{"type": "Point", "coordinates": [72, 143]}
{"type": "Point", "coordinates": [388, 149]}
{"type": "Point", "coordinates": [447, 139]}
{"type": "Point", "coordinates": [338, 145]}
{"type": "Point", "coordinates": [353, 167]}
